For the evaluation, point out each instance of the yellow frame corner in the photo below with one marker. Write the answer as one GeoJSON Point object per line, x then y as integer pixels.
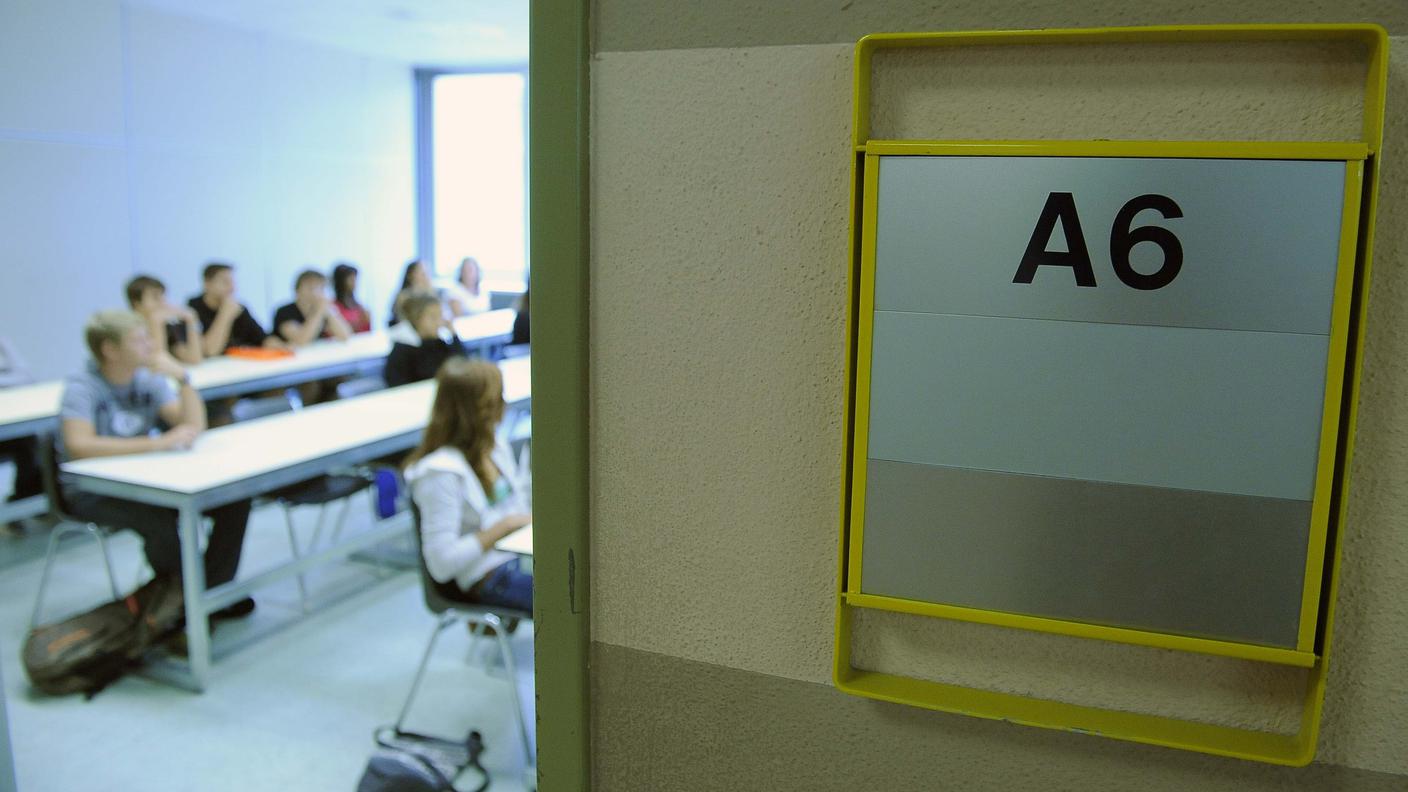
{"type": "Point", "coordinates": [1339, 415]}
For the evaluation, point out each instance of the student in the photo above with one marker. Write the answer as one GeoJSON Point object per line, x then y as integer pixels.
{"type": "Point", "coordinates": [224, 321]}
{"type": "Point", "coordinates": [468, 490]}
{"type": "Point", "coordinates": [114, 407]}
{"type": "Point", "coordinates": [20, 450]}
{"type": "Point", "coordinates": [421, 343]}
{"type": "Point", "coordinates": [311, 315]}
{"type": "Point", "coordinates": [174, 331]}
{"type": "Point", "coordinates": [465, 297]}
{"type": "Point", "coordinates": [344, 288]}
{"type": "Point", "coordinates": [414, 279]}
{"type": "Point", "coordinates": [520, 322]}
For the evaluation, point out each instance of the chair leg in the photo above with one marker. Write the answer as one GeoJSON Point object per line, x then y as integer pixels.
{"type": "Point", "coordinates": [506, 652]}
{"type": "Point", "coordinates": [443, 621]}
{"type": "Point", "coordinates": [318, 528]}
{"type": "Point", "coordinates": [293, 547]}
{"type": "Point", "coordinates": [107, 558]}
{"type": "Point", "coordinates": [341, 520]}
{"type": "Point", "coordinates": [54, 538]}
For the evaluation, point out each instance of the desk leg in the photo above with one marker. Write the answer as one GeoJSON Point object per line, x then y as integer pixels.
{"type": "Point", "coordinates": [193, 588]}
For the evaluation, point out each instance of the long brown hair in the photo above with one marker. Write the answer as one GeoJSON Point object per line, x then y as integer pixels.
{"type": "Point", "coordinates": [469, 404]}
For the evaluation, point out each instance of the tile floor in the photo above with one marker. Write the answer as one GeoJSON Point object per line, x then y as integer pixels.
{"type": "Point", "coordinates": [295, 710]}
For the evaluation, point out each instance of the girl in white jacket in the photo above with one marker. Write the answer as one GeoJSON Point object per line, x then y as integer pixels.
{"type": "Point", "coordinates": [468, 489]}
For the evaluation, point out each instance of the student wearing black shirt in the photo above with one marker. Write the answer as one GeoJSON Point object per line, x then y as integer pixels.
{"type": "Point", "coordinates": [311, 314]}
{"type": "Point", "coordinates": [224, 321]}
{"type": "Point", "coordinates": [175, 331]}
{"type": "Point", "coordinates": [422, 343]}
{"type": "Point", "coordinates": [520, 321]}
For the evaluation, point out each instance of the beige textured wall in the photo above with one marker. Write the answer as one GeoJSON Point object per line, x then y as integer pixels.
{"type": "Point", "coordinates": [719, 226]}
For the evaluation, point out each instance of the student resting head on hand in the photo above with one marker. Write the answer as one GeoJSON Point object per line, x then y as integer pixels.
{"type": "Point", "coordinates": [174, 329]}
{"type": "Point", "coordinates": [224, 321]}
{"type": "Point", "coordinates": [311, 315]}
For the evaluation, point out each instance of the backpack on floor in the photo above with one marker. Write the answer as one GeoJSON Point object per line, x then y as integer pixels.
{"type": "Point", "coordinates": [410, 762]}
{"type": "Point", "coordinates": [88, 652]}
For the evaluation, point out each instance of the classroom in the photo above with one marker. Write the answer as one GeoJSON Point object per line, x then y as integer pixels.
{"type": "Point", "coordinates": [253, 251]}
{"type": "Point", "coordinates": [937, 395]}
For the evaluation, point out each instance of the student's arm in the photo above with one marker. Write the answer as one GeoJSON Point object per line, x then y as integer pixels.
{"type": "Point", "coordinates": [440, 496]}
{"type": "Point", "coordinates": [187, 410]}
{"type": "Point", "coordinates": [337, 325]}
{"type": "Point", "coordinates": [490, 536]}
{"type": "Point", "coordinates": [82, 441]}
{"type": "Point", "coordinates": [217, 336]}
{"type": "Point", "coordinates": [185, 407]}
{"type": "Point", "coordinates": [301, 333]}
{"type": "Point", "coordinates": [156, 331]}
{"type": "Point", "coordinates": [191, 352]}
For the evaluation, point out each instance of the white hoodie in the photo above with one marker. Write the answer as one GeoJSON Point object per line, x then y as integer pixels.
{"type": "Point", "coordinates": [454, 509]}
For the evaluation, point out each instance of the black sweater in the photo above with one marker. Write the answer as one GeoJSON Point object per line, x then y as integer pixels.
{"type": "Point", "coordinates": [408, 363]}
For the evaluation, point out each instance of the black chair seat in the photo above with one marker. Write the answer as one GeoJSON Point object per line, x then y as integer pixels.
{"type": "Point", "coordinates": [321, 490]}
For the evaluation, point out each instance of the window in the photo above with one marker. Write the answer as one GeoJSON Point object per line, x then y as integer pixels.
{"type": "Point", "coordinates": [474, 159]}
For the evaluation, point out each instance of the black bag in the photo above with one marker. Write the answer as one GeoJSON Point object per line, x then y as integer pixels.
{"type": "Point", "coordinates": [90, 651]}
{"type": "Point", "coordinates": [410, 762]}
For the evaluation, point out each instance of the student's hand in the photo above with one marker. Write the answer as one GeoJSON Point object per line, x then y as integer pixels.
{"type": "Point", "coordinates": [165, 365]}
{"type": "Point", "coordinates": [179, 438]}
{"type": "Point", "coordinates": [230, 307]}
{"type": "Point", "coordinates": [184, 313]}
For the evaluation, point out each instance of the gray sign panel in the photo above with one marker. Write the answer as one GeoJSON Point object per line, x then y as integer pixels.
{"type": "Point", "coordinates": [1260, 239]}
{"type": "Point", "coordinates": [1195, 563]}
{"type": "Point", "coordinates": [1063, 424]}
{"type": "Point", "coordinates": [1213, 410]}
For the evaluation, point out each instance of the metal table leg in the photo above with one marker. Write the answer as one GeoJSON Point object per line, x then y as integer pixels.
{"type": "Point", "coordinates": [193, 589]}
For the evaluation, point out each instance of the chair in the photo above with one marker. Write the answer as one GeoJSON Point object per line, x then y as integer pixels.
{"type": "Point", "coordinates": [321, 491]}
{"type": "Point", "coordinates": [510, 351]}
{"type": "Point", "coordinates": [65, 524]}
{"type": "Point", "coordinates": [359, 387]}
{"type": "Point", "coordinates": [449, 610]}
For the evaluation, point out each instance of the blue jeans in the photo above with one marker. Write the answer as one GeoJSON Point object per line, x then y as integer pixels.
{"type": "Point", "coordinates": [506, 585]}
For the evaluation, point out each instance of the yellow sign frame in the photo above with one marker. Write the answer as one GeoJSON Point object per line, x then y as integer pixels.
{"type": "Point", "coordinates": [1338, 417]}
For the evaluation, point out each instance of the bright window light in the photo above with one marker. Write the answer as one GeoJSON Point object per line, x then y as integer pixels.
{"type": "Point", "coordinates": [479, 176]}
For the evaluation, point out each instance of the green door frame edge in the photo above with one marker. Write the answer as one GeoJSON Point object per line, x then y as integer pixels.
{"type": "Point", "coordinates": [559, 244]}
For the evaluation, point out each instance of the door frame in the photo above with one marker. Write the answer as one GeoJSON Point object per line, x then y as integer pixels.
{"type": "Point", "coordinates": [559, 241]}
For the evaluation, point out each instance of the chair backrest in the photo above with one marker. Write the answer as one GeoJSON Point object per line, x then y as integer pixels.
{"type": "Point", "coordinates": [435, 600]}
{"type": "Point", "coordinates": [440, 597]}
{"type": "Point", "coordinates": [49, 476]}
{"type": "Point", "coordinates": [250, 409]}
{"type": "Point", "coordinates": [359, 387]}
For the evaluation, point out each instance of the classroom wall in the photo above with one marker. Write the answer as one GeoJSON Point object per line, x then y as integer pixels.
{"type": "Point", "coordinates": [133, 140]}
{"type": "Point", "coordinates": [720, 168]}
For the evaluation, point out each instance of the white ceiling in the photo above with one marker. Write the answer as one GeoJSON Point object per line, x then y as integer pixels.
{"type": "Point", "coordinates": [418, 32]}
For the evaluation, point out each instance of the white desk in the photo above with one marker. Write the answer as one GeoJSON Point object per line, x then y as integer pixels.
{"type": "Point", "coordinates": [255, 457]}
{"type": "Point", "coordinates": [222, 377]}
{"type": "Point", "coordinates": [33, 409]}
{"type": "Point", "coordinates": [29, 409]}
{"type": "Point", "coordinates": [484, 331]}
{"type": "Point", "coordinates": [520, 541]}
{"type": "Point", "coordinates": [26, 411]}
